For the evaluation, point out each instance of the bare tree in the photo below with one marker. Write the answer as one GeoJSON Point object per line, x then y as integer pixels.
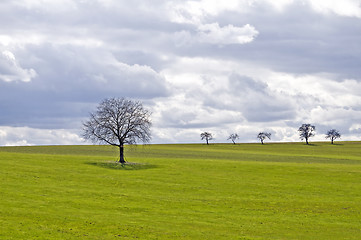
{"type": "Point", "coordinates": [207, 136]}
{"type": "Point", "coordinates": [118, 121]}
{"type": "Point", "coordinates": [233, 137]}
{"type": "Point", "coordinates": [333, 134]}
{"type": "Point", "coordinates": [306, 131]}
{"type": "Point", "coordinates": [263, 135]}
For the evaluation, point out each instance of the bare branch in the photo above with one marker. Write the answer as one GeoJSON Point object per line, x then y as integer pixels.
{"type": "Point", "coordinates": [333, 134]}
{"type": "Point", "coordinates": [233, 137]}
{"type": "Point", "coordinates": [118, 121]}
{"type": "Point", "coordinates": [263, 135]}
{"type": "Point", "coordinates": [207, 136]}
{"type": "Point", "coordinates": [306, 131]}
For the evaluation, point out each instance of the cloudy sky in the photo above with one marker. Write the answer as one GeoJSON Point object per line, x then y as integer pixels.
{"type": "Point", "coordinates": [235, 66]}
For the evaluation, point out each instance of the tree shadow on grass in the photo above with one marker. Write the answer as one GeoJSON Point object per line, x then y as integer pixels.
{"type": "Point", "coordinates": [120, 166]}
{"type": "Point", "coordinates": [337, 144]}
{"type": "Point", "coordinates": [311, 145]}
{"type": "Point", "coordinates": [317, 145]}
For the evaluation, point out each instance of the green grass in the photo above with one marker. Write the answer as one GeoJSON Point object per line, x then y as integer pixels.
{"type": "Point", "coordinates": [220, 191]}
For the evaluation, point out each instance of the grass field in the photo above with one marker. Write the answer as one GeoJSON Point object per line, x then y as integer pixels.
{"type": "Point", "coordinates": [220, 191]}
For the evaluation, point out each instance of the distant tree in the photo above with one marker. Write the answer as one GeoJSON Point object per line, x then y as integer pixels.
{"type": "Point", "coordinates": [118, 121]}
{"type": "Point", "coordinates": [306, 131]}
{"type": "Point", "coordinates": [207, 136]}
{"type": "Point", "coordinates": [263, 135]}
{"type": "Point", "coordinates": [233, 137]}
{"type": "Point", "coordinates": [333, 134]}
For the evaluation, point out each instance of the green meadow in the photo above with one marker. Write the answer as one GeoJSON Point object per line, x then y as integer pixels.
{"type": "Point", "coordinates": [185, 191]}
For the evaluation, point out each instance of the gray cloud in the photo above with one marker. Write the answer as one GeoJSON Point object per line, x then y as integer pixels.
{"type": "Point", "coordinates": [198, 65]}
{"type": "Point", "coordinates": [70, 81]}
{"type": "Point", "coordinates": [254, 100]}
{"type": "Point", "coordinates": [299, 40]}
{"type": "Point", "coordinates": [10, 70]}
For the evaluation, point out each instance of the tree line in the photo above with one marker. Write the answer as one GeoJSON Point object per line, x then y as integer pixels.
{"type": "Point", "coordinates": [305, 131]}
{"type": "Point", "coordinates": [119, 121]}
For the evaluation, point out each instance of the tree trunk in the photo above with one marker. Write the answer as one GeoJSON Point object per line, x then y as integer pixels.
{"type": "Point", "coordinates": [121, 154]}
{"type": "Point", "coordinates": [307, 141]}
{"type": "Point", "coordinates": [233, 142]}
{"type": "Point", "coordinates": [207, 140]}
{"type": "Point", "coordinates": [331, 140]}
{"type": "Point", "coordinates": [262, 141]}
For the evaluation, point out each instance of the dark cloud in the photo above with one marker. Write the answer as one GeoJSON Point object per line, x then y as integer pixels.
{"type": "Point", "coordinates": [70, 80]}
{"type": "Point", "coordinates": [253, 99]}
{"type": "Point", "coordinates": [217, 67]}
{"type": "Point", "coordinates": [297, 40]}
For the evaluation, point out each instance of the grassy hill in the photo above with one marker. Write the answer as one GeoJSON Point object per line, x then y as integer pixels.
{"type": "Point", "coordinates": [220, 191]}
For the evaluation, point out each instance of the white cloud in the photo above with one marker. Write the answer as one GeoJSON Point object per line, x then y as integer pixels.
{"type": "Point", "coordinates": [348, 8]}
{"type": "Point", "coordinates": [194, 12]}
{"type": "Point", "coordinates": [197, 11]}
{"type": "Point", "coordinates": [279, 5]}
{"type": "Point", "coordinates": [217, 35]}
{"type": "Point", "coordinates": [299, 66]}
{"type": "Point", "coordinates": [10, 69]}
{"type": "Point", "coordinates": [355, 127]}
{"type": "Point", "coordinates": [224, 98]}
{"type": "Point", "coordinates": [213, 33]}
{"type": "Point", "coordinates": [20, 136]}
{"type": "Point", "coordinates": [5, 40]}
{"type": "Point", "coordinates": [3, 134]}
{"type": "Point", "coordinates": [325, 89]}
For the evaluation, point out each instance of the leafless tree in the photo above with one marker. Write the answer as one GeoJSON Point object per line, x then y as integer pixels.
{"type": "Point", "coordinates": [233, 137]}
{"type": "Point", "coordinates": [207, 136]}
{"type": "Point", "coordinates": [263, 135]}
{"type": "Point", "coordinates": [333, 134]}
{"type": "Point", "coordinates": [118, 121]}
{"type": "Point", "coordinates": [306, 131]}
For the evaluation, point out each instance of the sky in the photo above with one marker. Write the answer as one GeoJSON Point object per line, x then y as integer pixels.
{"type": "Point", "coordinates": [235, 66]}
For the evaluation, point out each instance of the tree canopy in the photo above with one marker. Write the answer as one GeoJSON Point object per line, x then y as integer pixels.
{"type": "Point", "coordinates": [306, 131]}
{"type": "Point", "coordinates": [118, 121]}
{"type": "Point", "coordinates": [333, 134]}
{"type": "Point", "coordinates": [206, 136]}
{"type": "Point", "coordinates": [233, 137]}
{"type": "Point", "coordinates": [263, 135]}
